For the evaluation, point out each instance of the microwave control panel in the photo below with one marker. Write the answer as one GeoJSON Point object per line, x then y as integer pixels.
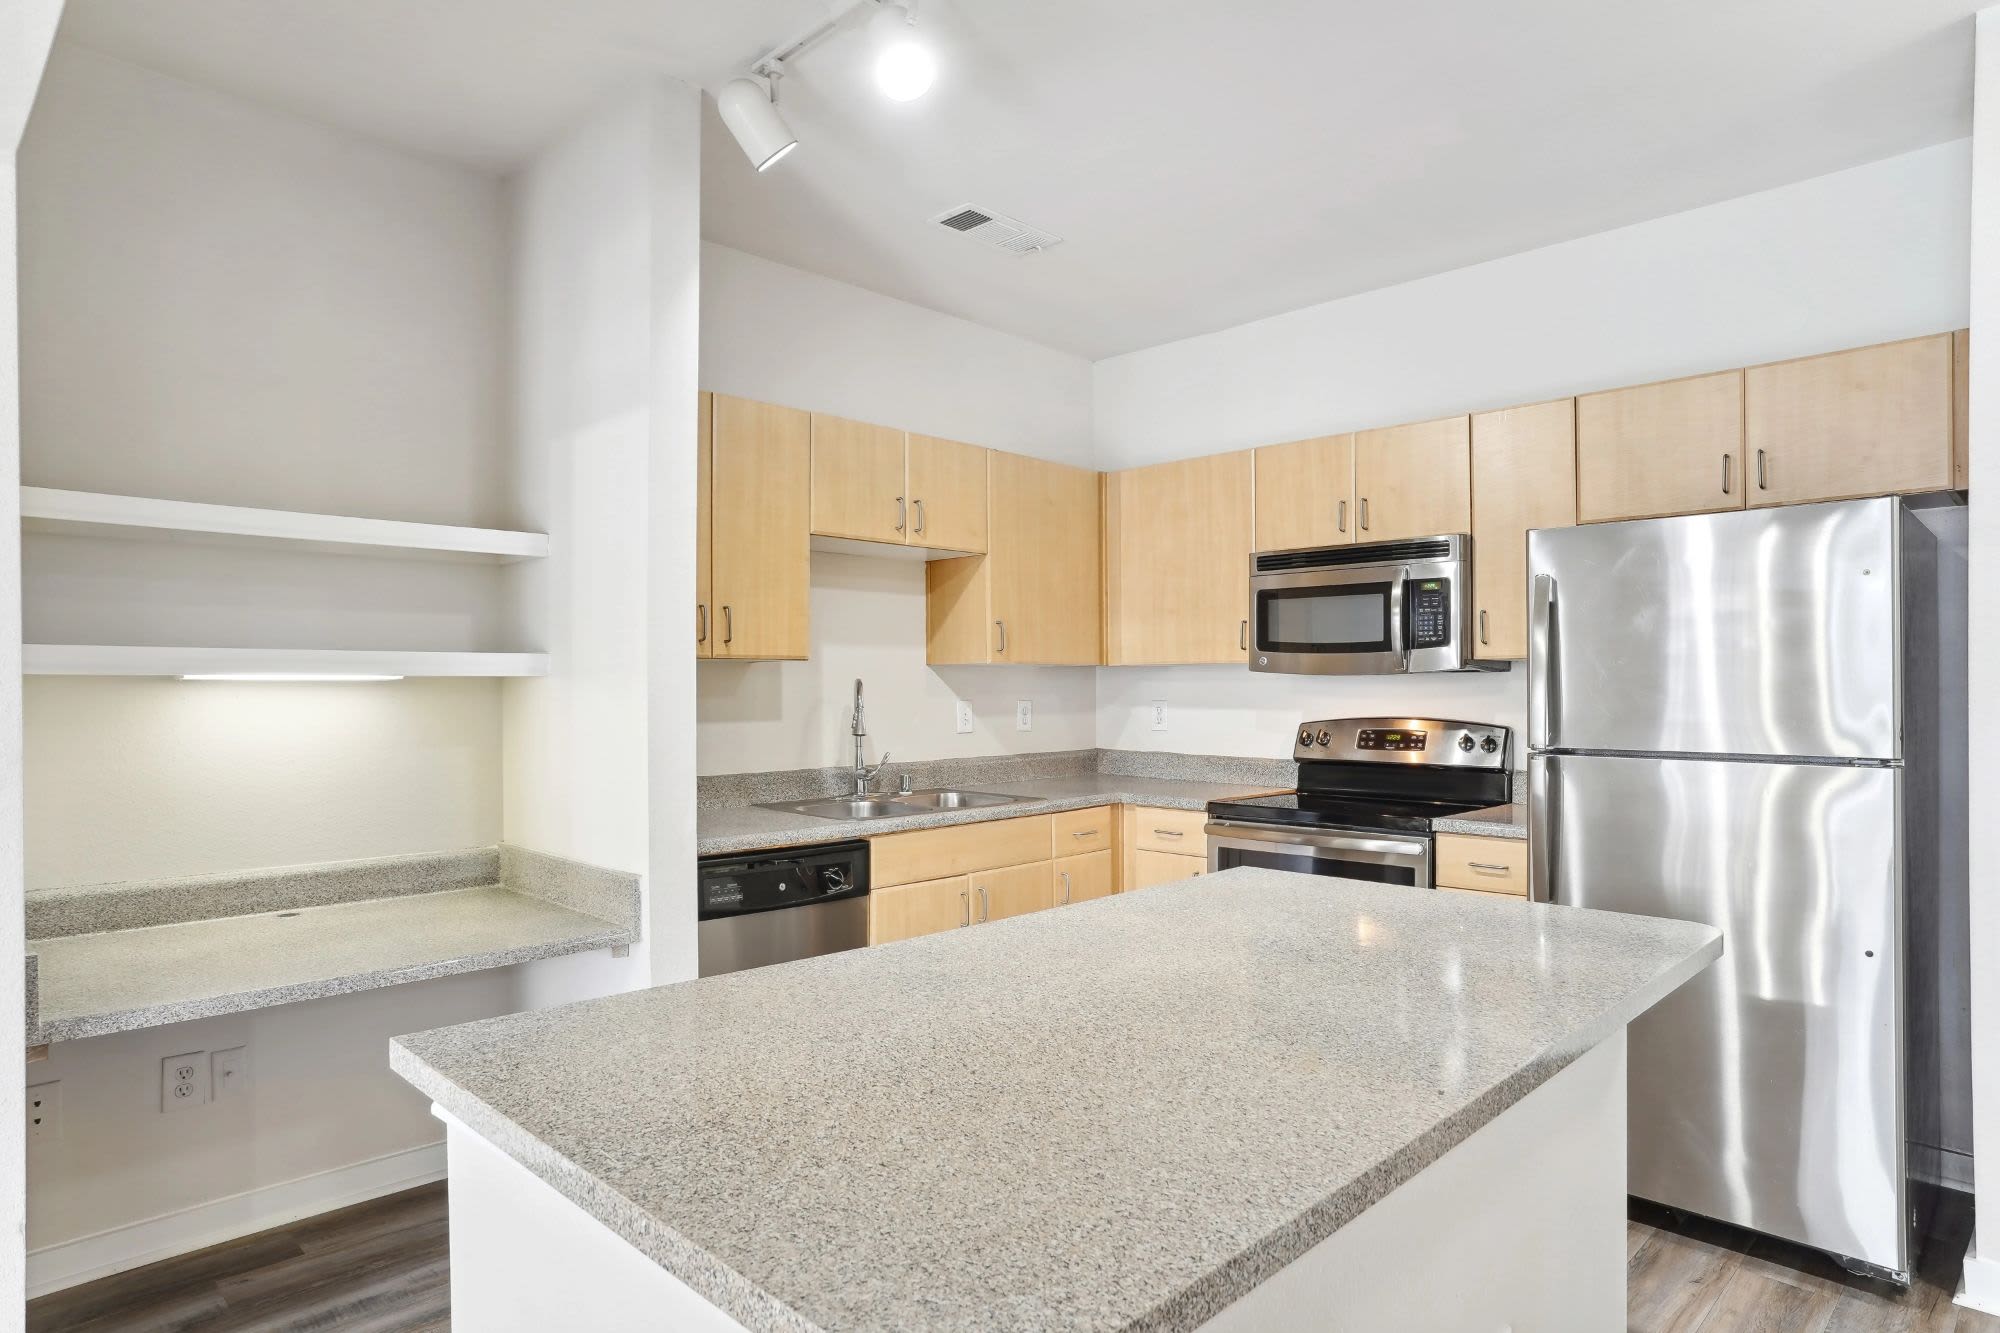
{"type": "Point", "coordinates": [1427, 604]}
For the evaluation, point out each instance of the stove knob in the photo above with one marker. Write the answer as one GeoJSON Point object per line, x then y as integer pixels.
{"type": "Point", "coordinates": [1305, 735]}
{"type": "Point", "coordinates": [1489, 745]}
{"type": "Point", "coordinates": [1325, 736]}
{"type": "Point", "coordinates": [1465, 742]}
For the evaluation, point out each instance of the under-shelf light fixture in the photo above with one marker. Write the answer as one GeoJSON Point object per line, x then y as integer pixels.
{"type": "Point", "coordinates": [905, 68]}
{"type": "Point", "coordinates": [289, 677]}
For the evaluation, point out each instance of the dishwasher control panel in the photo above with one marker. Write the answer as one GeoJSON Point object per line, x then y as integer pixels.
{"type": "Point", "coordinates": [788, 877]}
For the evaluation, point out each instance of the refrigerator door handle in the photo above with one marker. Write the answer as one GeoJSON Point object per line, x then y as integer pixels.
{"type": "Point", "coordinates": [1541, 823]}
{"type": "Point", "coordinates": [1544, 695]}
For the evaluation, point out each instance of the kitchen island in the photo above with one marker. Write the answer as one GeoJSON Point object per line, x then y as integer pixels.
{"type": "Point", "coordinates": [1254, 1100]}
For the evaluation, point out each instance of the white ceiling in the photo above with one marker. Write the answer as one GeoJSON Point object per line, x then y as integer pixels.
{"type": "Point", "coordinates": [1207, 163]}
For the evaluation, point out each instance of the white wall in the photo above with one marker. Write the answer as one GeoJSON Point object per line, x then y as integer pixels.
{"type": "Point", "coordinates": [1861, 256]}
{"type": "Point", "coordinates": [606, 276]}
{"type": "Point", "coordinates": [781, 335]}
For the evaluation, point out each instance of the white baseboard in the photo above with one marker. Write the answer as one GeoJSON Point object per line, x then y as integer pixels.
{"type": "Point", "coordinates": [67, 1263]}
{"type": "Point", "coordinates": [1979, 1284]}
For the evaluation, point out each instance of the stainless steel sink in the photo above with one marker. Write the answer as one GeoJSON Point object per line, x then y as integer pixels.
{"type": "Point", "coordinates": [851, 807]}
{"type": "Point", "coordinates": [950, 798]}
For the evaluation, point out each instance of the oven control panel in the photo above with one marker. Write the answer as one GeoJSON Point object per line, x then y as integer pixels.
{"type": "Point", "coordinates": [1432, 742]}
{"type": "Point", "coordinates": [1427, 608]}
{"type": "Point", "coordinates": [1379, 738]}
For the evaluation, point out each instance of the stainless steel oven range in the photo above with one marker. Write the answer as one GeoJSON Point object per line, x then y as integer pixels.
{"type": "Point", "coordinates": [1369, 789]}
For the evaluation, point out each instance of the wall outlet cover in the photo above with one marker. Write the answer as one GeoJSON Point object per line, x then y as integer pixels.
{"type": "Point", "coordinates": [44, 1107]}
{"type": "Point", "coordinates": [962, 717]}
{"type": "Point", "coordinates": [1024, 715]}
{"type": "Point", "coordinates": [1159, 712]}
{"type": "Point", "coordinates": [184, 1081]}
{"type": "Point", "coordinates": [229, 1072]}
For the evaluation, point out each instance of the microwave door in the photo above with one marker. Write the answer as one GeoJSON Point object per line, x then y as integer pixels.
{"type": "Point", "coordinates": [1330, 622]}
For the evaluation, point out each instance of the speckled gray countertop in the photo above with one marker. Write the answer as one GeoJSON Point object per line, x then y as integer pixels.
{"type": "Point", "coordinates": [1502, 821]}
{"type": "Point", "coordinates": [743, 828]}
{"type": "Point", "coordinates": [1123, 1114]}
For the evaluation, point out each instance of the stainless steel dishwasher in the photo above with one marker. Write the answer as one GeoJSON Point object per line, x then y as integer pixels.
{"type": "Point", "coordinates": [777, 906]}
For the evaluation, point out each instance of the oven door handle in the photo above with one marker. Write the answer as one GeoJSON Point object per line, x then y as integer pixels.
{"type": "Point", "coordinates": [1334, 842]}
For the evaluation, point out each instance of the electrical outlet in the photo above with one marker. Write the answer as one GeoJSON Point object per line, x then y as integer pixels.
{"type": "Point", "coordinates": [1024, 715]}
{"type": "Point", "coordinates": [229, 1072]}
{"type": "Point", "coordinates": [963, 718]}
{"type": "Point", "coordinates": [44, 1111]}
{"type": "Point", "coordinates": [1159, 715]}
{"type": "Point", "coordinates": [184, 1081]}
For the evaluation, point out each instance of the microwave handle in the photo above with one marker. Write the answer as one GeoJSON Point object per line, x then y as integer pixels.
{"type": "Point", "coordinates": [1399, 633]}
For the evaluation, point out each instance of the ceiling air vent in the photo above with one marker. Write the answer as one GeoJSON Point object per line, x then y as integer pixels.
{"type": "Point", "coordinates": [997, 229]}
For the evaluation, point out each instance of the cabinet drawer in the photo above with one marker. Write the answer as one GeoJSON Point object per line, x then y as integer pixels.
{"type": "Point", "coordinates": [1179, 832]}
{"type": "Point", "coordinates": [1080, 831]}
{"type": "Point", "coordinates": [1493, 865]}
{"type": "Point", "coordinates": [1150, 868]}
{"type": "Point", "coordinates": [1081, 878]}
{"type": "Point", "coordinates": [934, 853]}
{"type": "Point", "coordinates": [909, 910]}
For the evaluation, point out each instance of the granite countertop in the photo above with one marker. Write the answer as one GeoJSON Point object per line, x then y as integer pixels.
{"type": "Point", "coordinates": [743, 828]}
{"type": "Point", "coordinates": [1157, 1100]}
{"type": "Point", "coordinates": [1500, 821]}
{"type": "Point", "coordinates": [119, 957]}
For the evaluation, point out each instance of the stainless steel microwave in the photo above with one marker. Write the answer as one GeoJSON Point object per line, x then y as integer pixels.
{"type": "Point", "coordinates": [1372, 609]}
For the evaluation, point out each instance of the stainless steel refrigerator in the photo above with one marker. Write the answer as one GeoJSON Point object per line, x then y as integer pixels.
{"type": "Point", "coordinates": [1733, 718]}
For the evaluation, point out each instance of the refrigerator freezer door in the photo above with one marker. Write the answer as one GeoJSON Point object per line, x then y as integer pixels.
{"type": "Point", "coordinates": [1765, 1092]}
{"type": "Point", "coordinates": [1772, 632]}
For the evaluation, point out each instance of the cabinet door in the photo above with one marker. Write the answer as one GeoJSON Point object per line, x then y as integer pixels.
{"type": "Point", "coordinates": [1873, 421]}
{"type": "Point", "coordinates": [1961, 416]}
{"type": "Point", "coordinates": [1178, 578]}
{"type": "Point", "coordinates": [1044, 562]}
{"type": "Point", "coordinates": [1150, 868]}
{"type": "Point", "coordinates": [1015, 891]}
{"type": "Point", "coordinates": [1657, 449]}
{"type": "Point", "coordinates": [1081, 878]}
{"type": "Point", "coordinates": [1305, 493]}
{"type": "Point", "coordinates": [1413, 481]}
{"type": "Point", "coordinates": [947, 494]}
{"type": "Point", "coordinates": [762, 478]}
{"type": "Point", "coordinates": [857, 481]}
{"type": "Point", "coordinates": [924, 908]}
{"type": "Point", "coordinates": [704, 535]}
{"type": "Point", "coordinates": [1523, 477]}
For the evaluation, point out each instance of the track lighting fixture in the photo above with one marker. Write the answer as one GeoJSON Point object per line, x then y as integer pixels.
{"type": "Point", "coordinates": [752, 115]}
{"type": "Point", "coordinates": [904, 66]}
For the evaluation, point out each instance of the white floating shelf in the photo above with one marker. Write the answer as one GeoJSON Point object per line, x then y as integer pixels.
{"type": "Point", "coordinates": [83, 659]}
{"type": "Point", "coordinates": [45, 509]}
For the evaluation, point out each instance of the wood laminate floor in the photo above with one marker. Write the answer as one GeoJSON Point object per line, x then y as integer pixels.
{"type": "Point", "coordinates": [381, 1267]}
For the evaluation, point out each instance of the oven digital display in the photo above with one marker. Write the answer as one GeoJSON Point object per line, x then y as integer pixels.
{"type": "Point", "coordinates": [1377, 738]}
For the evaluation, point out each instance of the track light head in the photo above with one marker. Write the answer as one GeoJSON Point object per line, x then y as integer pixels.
{"type": "Point", "coordinates": [753, 117]}
{"type": "Point", "coordinates": [904, 65]}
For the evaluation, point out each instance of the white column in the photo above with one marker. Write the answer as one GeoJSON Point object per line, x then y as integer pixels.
{"type": "Point", "coordinates": [1981, 1286]}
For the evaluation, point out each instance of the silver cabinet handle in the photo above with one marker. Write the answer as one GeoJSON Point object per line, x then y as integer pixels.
{"type": "Point", "coordinates": [701, 620]}
{"type": "Point", "coordinates": [1169, 833]}
{"type": "Point", "coordinates": [900, 515]}
{"type": "Point", "coordinates": [1482, 626]}
{"type": "Point", "coordinates": [1343, 515]}
{"type": "Point", "coordinates": [1003, 635]}
{"type": "Point", "coordinates": [1364, 513]}
{"type": "Point", "coordinates": [985, 903]}
{"type": "Point", "coordinates": [1084, 833]}
{"type": "Point", "coordinates": [1763, 479]}
{"type": "Point", "coordinates": [1726, 461]}
{"type": "Point", "coordinates": [728, 624]}
{"type": "Point", "coordinates": [920, 518]}
{"type": "Point", "coordinates": [1065, 880]}
{"type": "Point", "coordinates": [1243, 637]}
{"type": "Point", "coordinates": [1487, 866]}
{"type": "Point", "coordinates": [964, 907]}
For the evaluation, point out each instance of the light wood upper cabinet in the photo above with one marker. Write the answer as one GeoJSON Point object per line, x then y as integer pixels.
{"type": "Point", "coordinates": [704, 535]}
{"type": "Point", "coordinates": [1523, 477]}
{"type": "Point", "coordinates": [1413, 481]}
{"type": "Point", "coordinates": [858, 481]}
{"type": "Point", "coordinates": [947, 482]}
{"type": "Point", "coordinates": [1872, 421]}
{"type": "Point", "coordinates": [1034, 598]}
{"type": "Point", "coordinates": [1961, 415]}
{"type": "Point", "coordinates": [761, 479]}
{"type": "Point", "coordinates": [1177, 543]}
{"type": "Point", "coordinates": [1014, 891]}
{"type": "Point", "coordinates": [1671, 448]}
{"type": "Point", "coordinates": [1305, 493]}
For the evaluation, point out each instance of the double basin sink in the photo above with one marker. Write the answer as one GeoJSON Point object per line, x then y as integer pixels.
{"type": "Point", "coordinates": [894, 807]}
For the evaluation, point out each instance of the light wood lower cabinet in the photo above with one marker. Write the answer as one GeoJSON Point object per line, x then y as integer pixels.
{"type": "Point", "coordinates": [1013, 891]}
{"type": "Point", "coordinates": [1523, 477]}
{"type": "Point", "coordinates": [1413, 481]}
{"type": "Point", "coordinates": [1177, 540]}
{"type": "Point", "coordinates": [760, 477]}
{"type": "Point", "coordinates": [905, 911]}
{"type": "Point", "coordinates": [1156, 845]}
{"type": "Point", "coordinates": [1150, 868]}
{"type": "Point", "coordinates": [1080, 878]}
{"type": "Point", "coordinates": [957, 849]}
{"type": "Point", "coordinates": [1305, 493]}
{"type": "Point", "coordinates": [1872, 421]}
{"type": "Point", "coordinates": [1487, 865]}
{"type": "Point", "coordinates": [1659, 449]}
